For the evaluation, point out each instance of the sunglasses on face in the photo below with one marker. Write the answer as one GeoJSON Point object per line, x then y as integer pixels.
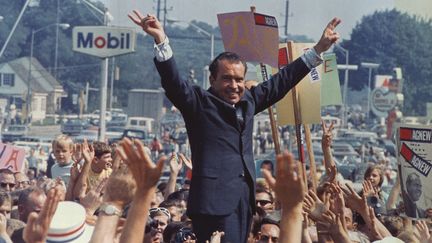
{"type": "Point", "coordinates": [165, 211]}
{"type": "Point", "coordinates": [4, 185]}
{"type": "Point", "coordinates": [263, 203]}
{"type": "Point", "coordinates": [184, 234]}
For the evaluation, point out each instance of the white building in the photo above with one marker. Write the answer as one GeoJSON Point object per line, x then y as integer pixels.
{"type": "Point", "coordinates": [46, 91]}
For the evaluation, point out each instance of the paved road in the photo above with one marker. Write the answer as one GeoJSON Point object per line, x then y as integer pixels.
{"type": "Point", "coordinates": [44, 131]}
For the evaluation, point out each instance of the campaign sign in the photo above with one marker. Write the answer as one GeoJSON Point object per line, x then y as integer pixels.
{"type": "Point", "coordinates": [11, 157]}
{"type": "Point", "coordinates": [103, 41]}
{"type": "Point", "coordinates": [382, 101]}
{"type": "Point", "coordinates": [415, 164]}
{"type": "Point", "coordinates": [253, 36]}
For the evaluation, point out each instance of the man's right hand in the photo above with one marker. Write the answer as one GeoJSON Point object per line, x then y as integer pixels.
{"type": "Point", "coordinates": [150, 24]}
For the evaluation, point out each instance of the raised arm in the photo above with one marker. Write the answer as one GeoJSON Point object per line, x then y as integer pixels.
{"type": "Point", "coordinates": [150, 24]}
{"type": "Point", "coordinates": [146, 175]}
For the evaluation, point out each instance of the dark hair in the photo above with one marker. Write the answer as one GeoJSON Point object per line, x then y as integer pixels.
{"type": "Point", "coordinates": [24, 196]}
{"type": "Point", "coordinates": [173, 228]}
{"type": "Point", "coordinates": [267, 162]}
{"type": "Point", "coordinates": [101, 148]}
{"type": "Point", "coordinates": [261, 190]}
{"type": "Point", "coordinates": [180, 195]}
{"type": "Point", "coordinates": [230, 56]}
{"type": "Point", "coordinates": [170, 203]}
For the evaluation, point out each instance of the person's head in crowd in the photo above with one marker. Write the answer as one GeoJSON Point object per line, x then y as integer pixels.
{"type": "Point", "coordinates": [414, 187]}
{"type": "Point", "coordinates": [159, 219]}
{"type": "Point", "coordinates": [102, 159]}
{"type": "Point", "coordinates": [349, 220]}
{"type": "Point", "coordinates": [375, 175]}
{"type": "Point", "coordinates": [161, 188]}
{"type": "Point", "coordinates": [186, 184]}
{"type": "Point", "coordinates": [179, 232]}
{"type": "Point", "coordinates": [267, 165]}
{"type": "Point", "coordinates": [21, 181]}
{"type": "Point", "coordinates": [7, 180]}
{"type": "Point", "coordinates": [63, 148]}
{"type": "Point", "coordinates": [269, 231]}
{"type": "Point", "coordinates": [48, 184]}
{"type": "Point", "coordinates": [174, 206]}
{"type": "Point", "coordinates": [5, 203]}
{"type": "Point", "coordinates": [264, 200]}
{"type": "Point", "coordinates": [394, 224]}
{"type": "Point", "coordinates": [32, 173]}
{"type": "Point", "coordinates": [224, 62]}
{"type": "Point", "coordinates": [261, 184]}
{"type": "Point", "coordinates": [181, 195]}
{"type": "Point", "coordinates": [30, 200]}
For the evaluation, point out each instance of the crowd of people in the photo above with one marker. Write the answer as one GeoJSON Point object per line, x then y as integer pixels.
{"type": "Point", "coordinates": [99, 192]}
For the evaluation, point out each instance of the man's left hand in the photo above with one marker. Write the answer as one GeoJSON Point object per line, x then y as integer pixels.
{"type": "Point", "coordinates": [329, 36]}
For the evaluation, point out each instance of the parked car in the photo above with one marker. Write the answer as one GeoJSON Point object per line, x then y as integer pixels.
{"type": "Point", "coordinates": [74, 127]}
{"type": "Point", "coordinates": [118, 120]}
{"type": "Point", "coordinates": [14, 132]}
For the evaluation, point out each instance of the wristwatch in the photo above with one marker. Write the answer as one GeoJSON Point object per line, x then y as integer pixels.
{"type": "Point", "coordinates": [110, 210]}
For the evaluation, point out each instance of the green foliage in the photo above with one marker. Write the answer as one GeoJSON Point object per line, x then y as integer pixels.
{"type": "Point", "coordinates": [393, 39]}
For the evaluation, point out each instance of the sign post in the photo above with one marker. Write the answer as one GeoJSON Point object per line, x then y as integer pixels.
{"type": "Point", "coordinates": [103, 42]}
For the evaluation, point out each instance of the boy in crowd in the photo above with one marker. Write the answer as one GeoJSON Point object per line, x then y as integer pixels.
{"type": "Point", "coordinates": [63, 149]}
{"type": "Point", "coordinates": [100, 168]}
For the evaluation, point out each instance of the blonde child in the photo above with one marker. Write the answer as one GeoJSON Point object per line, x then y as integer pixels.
{"type": "Point", "coordinates": [63, 149]}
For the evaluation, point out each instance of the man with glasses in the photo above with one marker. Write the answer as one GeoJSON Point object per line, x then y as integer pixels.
{"type": "Point", "coordinates": [160, 217]}
{"type": "Point", "coordinates": [7, 180]}
{"type": "Point", "coordinates": [264, 200]}
{"type": "Point", "coordinates": [22, 181]}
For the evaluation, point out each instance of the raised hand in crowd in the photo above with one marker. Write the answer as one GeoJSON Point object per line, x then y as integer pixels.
{"type": "Point", "coordinates": [3, 225]}
{"type": "Point", "coordinates": [93, 199]}
{"type": "Point", "coordinates": [290, 190]}
{"type": "Point", "coordinates": [186, 161]}
{"type": "Point", "coordinates": [368, 189]}
{"type": "Point", "coordinates": [175, 164]}
{"type": "Point", "coordinates": [77, 155]}
{"type": "Point", "coordinates": [326, 141]}
{"type": "Point", "coordinates": [337, 228]}
{"type": "Point", "coordinates": [422, 234]}
{"type": "Point", "coordinates": [216, 237]}
{"type": "Point", "coordinates": [146, 175]}
{"type": "Point", "coordinates": [119, 191]}
{"type": "Point", "coordinates": [88, 153]}
{"type": "Point", "coordinates": [314, 207]}
{"type": "Point", "coordinates": [150, 24]}
{"type": "Point", "coordinates": [37, 226]}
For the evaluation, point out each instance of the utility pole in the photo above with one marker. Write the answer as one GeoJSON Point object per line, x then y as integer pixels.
{"type": "Point", "coordinates": [286, 17]}
{"type": "Point", "coordinates": [158, 9]}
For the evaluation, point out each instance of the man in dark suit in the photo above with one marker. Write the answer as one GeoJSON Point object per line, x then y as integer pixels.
{"type": "Point", "coordinates": [412, 195]}
{"type": "Point", "coordinates": [219, 122]}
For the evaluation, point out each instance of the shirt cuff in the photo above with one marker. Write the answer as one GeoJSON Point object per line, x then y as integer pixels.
{"type": "Point", "coordinates": [162, 51]}
{"type": "Point", "coordinates": [311, 58]}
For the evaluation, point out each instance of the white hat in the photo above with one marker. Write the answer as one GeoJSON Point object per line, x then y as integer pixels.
{"type": "Point", "coordinates": [68, 224]}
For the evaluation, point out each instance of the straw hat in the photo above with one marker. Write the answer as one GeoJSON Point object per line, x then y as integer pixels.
{"type": "Point", "coordinates": [68, 224]}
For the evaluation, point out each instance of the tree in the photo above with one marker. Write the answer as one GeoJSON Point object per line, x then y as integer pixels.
{"type": "Point", "coordinates": [394, 39]}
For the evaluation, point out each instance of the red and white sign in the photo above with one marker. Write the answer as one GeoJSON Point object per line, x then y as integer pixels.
{"type": "Point", "coordinates": [11, 157]}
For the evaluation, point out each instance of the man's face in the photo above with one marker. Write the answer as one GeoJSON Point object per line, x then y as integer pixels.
{"type": "Point", "coordinates": [7, 181]}
{"type": "Point", "coordinates": [6, 208]}
{"type": "Point", "coordinates": [104, 162]}
{"type": "Point", "coordinates": [34, 204]}
{"type": "Point", "coordinates": [414, 188]}
{"type": "Point", "coordinates": [269, 233]}
{"type": "Point", "coordinates": [63, 154]}
{"type": "Point", "coordinates": [229, 82]}
{"type": "Point", "coordinates": [22, 181]}
{"type": "Point", "coordinates": [263, 201]}
{"type": "Point", "coordinates": [157, 230]}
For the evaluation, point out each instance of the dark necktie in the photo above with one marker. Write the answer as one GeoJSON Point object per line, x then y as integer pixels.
{"type": "Point", "coordinates": [239, 114]}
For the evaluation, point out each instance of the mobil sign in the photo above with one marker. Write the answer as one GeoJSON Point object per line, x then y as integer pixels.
{"type": "Point", "coordinates": [103, 41]}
